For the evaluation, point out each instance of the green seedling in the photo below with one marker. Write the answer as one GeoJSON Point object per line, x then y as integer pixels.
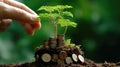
{"type": "Point", "coordinates": [68, 43]}
{"type": "Point", "coordinates": [58, 15]}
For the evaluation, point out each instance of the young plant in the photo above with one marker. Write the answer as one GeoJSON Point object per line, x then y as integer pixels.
{"type": "Point", "coordinates": [58, 15]}
{"type": "Point", "coordinates": [68, 43]}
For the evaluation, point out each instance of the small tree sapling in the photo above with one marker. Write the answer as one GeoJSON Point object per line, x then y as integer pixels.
{"type": "Point", "coordinates": [58, 15]}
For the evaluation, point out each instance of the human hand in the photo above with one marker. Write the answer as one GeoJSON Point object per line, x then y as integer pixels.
{"type": "Point", "coordinates": [13, 10]}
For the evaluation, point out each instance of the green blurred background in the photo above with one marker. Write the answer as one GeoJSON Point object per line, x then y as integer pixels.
{"type": "Point", "coordinates": [98, 31]}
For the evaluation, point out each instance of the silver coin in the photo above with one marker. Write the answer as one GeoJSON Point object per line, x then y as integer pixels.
{"type": "Point", "coordinates": [74, 57]}
{"type": "Point", "coordinates": [81, 58]}
{"type": "Point", "coordinates": [68, 60]}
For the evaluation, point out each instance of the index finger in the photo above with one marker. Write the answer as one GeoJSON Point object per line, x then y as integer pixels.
{"type": "Point", "coordinates": [19, 5]}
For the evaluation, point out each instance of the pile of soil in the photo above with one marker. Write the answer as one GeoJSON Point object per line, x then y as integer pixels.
{"type": "Point", "coordinates": [54, 53]}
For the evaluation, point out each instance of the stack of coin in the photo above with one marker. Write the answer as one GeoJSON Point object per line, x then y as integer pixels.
{"type": "Point", "coordinates": [52, 43]}
{"type": "Point", "coordinates": [60, 40]}
{"type": "Point", "coordinates": [46, 44]}
{"type": "Point", "coordinates": [60, 37]}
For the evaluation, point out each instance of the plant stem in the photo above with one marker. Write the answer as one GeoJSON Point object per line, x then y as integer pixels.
{"type": "Point", "coordinates": [55, 25]}
{"type": "Point", "coordinates": [55, 29]}
{"type": "Point", "coordinates": [65, 30]}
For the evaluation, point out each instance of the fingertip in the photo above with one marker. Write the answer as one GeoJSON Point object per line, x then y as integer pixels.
{"type": "Point", "coordinates": [37, 26]}
{"type": "Point", "coordinates": [29, 29]}
{"type": "Point", "coordinates": [31, 33]}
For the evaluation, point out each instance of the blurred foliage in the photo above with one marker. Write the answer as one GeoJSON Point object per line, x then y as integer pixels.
{"type": "Point", "coordinates": [98, 31]}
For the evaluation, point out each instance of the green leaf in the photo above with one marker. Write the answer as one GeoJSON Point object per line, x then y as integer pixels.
{"type": "Point", "coordinates": [61, 7]}
{"type": "Point", "coordinates": [48, 15]}
{"type": "Point", "coordinates": [66, 22]}
{"type": "Point", "coordinates": [66, 13]}
{"type": "Point", "coordinates": [72, 45]}
{"type": "Point", "coordinates": [53, 8]}
{"type": "Point", "coordinates": [54, 15]}
{"type": "Point", "coordinates": [67, 43]}
{"type": "Point", "coordinates": [47, 8]}
{"type": "Point", "coordinates": [44, 15]}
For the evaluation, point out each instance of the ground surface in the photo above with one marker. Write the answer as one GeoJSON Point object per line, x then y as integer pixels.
{"type": "Point", "coordinates": [87, 63]}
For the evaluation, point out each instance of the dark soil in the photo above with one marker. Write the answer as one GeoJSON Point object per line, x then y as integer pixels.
{"type": "Point", "coordinates": [54, 53]}
{"type": "Point", "coordinates": [87, 63]}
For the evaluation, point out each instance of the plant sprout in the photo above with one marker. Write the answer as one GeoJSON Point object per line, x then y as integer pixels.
{"type": "Point", "coordinates": [68, 43]}
{"type": "Point", "coordinates": [57, 15]}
